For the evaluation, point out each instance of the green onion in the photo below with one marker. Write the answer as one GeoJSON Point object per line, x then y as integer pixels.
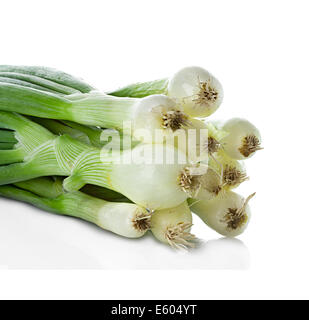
{"type": "Point", "coordinates": [61, 158]}
{"type": "Point", "coordinates": [97, 109]}
{"type": "Point", "coordinates": [243, 139]}
{"type": "Point", "coordinates": [147, 183]}
{"type": "Point", "coordinates": [172, 226]}
{"type": "Point", "coordinates": [195, 88]}
{"type": "Point", "coordinates": [228, 214]}
{"type": "Point", "coordinates": [125, 219]}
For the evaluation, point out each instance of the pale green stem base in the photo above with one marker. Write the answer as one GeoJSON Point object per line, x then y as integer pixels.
{"type": "Point", "coordinates": [75, 204]}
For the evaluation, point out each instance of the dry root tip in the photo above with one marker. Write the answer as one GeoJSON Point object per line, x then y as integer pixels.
{"type": "Point", "coordinates": [179, 236]}
{"type": "Point", "coordinates": [142, 221]}
{"type": "Point", "coordinates": [189, 182]}
{"type": "Point", "coordinates": [232, 176]}
{"type": "Point", "coordinates": [213, 145]}
{"type": "Point", "coordinates": [174, 120]}
{"type": "Point", "coordinates": [236, 217]}
{"type": "Point", "coordinates": [207, 95]}
{"type": "Point", "coordinates": [250, 144]}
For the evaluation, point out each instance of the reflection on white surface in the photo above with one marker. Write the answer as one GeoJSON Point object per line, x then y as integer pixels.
{"type": "Point", "coordinates": [226, 253]}
{"type": "Point", "coordinates": [223, 253]}
{"type": "Point", "coordinates": [31, 239]}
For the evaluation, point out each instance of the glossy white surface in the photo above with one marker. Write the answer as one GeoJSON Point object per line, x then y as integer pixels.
{"type": "Point", "coordinates": [259, 52]}
{"type": "Point", "coordinates": [31, 239]}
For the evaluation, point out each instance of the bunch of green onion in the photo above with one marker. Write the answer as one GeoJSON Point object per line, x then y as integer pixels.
{"type": "Point", "coordinates": [136, 159]}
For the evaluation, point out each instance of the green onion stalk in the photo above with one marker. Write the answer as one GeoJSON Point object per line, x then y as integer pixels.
{"type": "Point", "coordinates": [125, 219]}
{"type": "Point", "coordinates": [170, 226]}
{"type": "Point", "coordinates": [44, 79]}
{"type": "Point", "coordinates": [195, 88]}
{"type": "Point", "coordinates": [141, 116]}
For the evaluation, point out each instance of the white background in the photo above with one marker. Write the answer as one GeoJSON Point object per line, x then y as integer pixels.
{"type": "Point", "coordinates": [259, 51]}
